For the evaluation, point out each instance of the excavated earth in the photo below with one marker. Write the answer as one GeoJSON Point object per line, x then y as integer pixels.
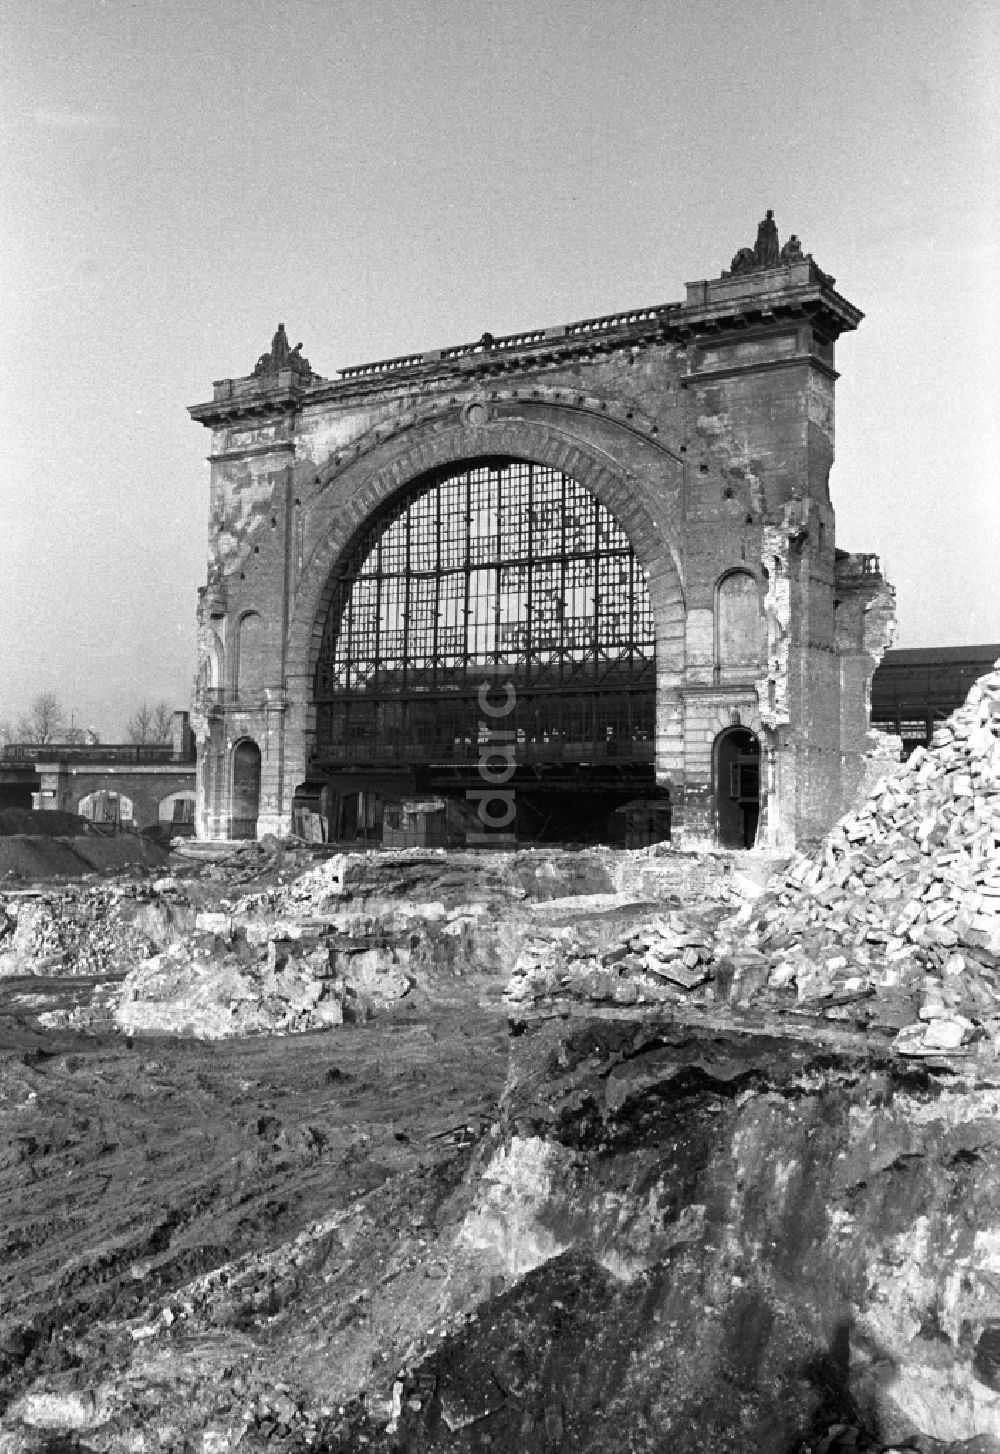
{"type": "Point", "coordinates": [532, 1152]}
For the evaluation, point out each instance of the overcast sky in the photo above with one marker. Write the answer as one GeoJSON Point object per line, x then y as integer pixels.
{"type": "Point", "coordinates": [387, 176]}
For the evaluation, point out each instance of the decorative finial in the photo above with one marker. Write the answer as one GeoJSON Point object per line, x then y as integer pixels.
{"type": "Point", "coordinates": [766, 252]}
{"type": "Point", "coordinates": [282, 356]}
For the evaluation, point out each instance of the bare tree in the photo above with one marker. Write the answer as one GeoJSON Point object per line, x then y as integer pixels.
{"type": "Point", "coordinates": [150, 724]}
{"type": "Point", "coordinates": [139, 725]}
{"type": "Point", "coordinates": [163, 723]}
{"type": "Point", "coordinates": [45, 720]}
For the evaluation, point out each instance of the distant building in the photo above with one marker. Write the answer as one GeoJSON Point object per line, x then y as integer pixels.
{"type": "Point", "coordinates": [138, 785]}
{"type": "Point", "coordinates": [560, 572]}
{"type": "Point", "coordinates": [913, 690]}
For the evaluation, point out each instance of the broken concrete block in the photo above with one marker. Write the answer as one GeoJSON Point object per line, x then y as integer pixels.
{"type": "Point", "coordinates": [214, 923]}
{"type": "Point", "coordinates": [947, 1033]}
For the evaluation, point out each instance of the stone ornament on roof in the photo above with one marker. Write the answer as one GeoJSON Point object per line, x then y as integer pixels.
{"type": "Point", "coordinates": [282, 357]}
{"type": "Point", "coordinates": [766, 252]}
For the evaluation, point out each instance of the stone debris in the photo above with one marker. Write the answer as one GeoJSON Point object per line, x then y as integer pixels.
{"type": "Point", "coordinates": [344, 939]}
{"type": "Point", "coordinates": [893, 922]}
{"type": "Point", "coordinates": [258, 953]}
{"type": "Point", "coordinates": [75, 930]}
{"type": "Point", "coordinates": [901, 903]}
{"type": "Point", "coordinates": [661, 962]}
{"type": "Point", "coordinates": [190, 990]}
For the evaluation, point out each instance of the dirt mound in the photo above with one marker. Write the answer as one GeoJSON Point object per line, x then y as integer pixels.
{"type": "Point", "coordinates": [54, 824]}
{"type": "Point", "coordinates": [29, 857]}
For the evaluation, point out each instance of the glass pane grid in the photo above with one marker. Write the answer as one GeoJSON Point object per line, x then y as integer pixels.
{"type": "Point", "coordinates": [511, 564]}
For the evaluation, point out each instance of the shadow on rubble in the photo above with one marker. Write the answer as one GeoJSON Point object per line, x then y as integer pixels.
{"type": "Point", "coordinates": [570, 1358]}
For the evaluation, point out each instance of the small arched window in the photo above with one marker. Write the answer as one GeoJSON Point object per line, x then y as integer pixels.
{"type": "Point", "coordinates": [737, 620]}
{"type": "Point", "coordinates": [210, 664]}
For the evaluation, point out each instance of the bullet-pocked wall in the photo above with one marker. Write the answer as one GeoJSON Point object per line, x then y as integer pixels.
{"type": "Point", "coordinates": [703, 432]}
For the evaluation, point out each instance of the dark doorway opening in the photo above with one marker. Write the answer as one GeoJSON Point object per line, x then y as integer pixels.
{"type": "Point", "coordinates": [568, 803]}
{"type": "Point", "coordinates": [737, 787]}
{"type": "Point", "coordinates": [246, 791]}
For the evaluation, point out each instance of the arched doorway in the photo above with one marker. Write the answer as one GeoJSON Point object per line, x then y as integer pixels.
{"type": "Point", "coordinates": [737, 787]}
{"type": "Point", "coordinates": [505, 577]}
{"type": "Point", "coordinates": [246, 790]}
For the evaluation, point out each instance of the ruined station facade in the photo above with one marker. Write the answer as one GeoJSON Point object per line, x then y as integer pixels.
{"type": "Point", "coordinates": [589, 570]}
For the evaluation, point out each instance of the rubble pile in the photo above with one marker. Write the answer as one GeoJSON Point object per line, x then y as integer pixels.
{"type": "Point", "coordinates": [667, 875]}
{"type": "Point", "coordinates": [252, 953]}
{"type": "Point", "coordinates": [351, 935]}
{"type": "Point", "coordinates": [662, 961]}
{"type": "Point", "coordinates": [418, 880]}
{"type": "Point", "coordinates": [194, 989]}
{"type": "Point", "coordinates": [894, 922]}
{"type": "Point", "coordinates": [72, 931]}
{"type": "Point", "coordinates": [233, 865]}
{"type": "Point", "coordinates": [902, 902]}
{"type": "Point", "coordinates": [371, 927]}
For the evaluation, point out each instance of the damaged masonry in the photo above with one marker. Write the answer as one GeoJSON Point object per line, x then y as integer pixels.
{"type": "Point", "coordinates": [627, 519]}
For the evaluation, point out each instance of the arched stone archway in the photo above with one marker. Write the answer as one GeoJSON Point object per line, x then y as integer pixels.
{"type": "Point", "coordinates": [500, 567]}
{"type": "Point", "coordinates": [176, 810]}
{"type": "Point", "coordinates": [347, 494]}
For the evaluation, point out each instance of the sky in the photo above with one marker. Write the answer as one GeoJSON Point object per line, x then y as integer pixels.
{"type": "Point", "coordinates": [390, 176]}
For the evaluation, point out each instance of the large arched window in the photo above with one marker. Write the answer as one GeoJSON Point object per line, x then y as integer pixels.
{"type": "Point", "coordinates": [737, 620]}
{"type": "Point", "coordinates": [505, 570]}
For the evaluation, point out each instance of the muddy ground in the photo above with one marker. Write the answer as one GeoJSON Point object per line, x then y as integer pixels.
{"type": "Point", "coordinates": [420, 1231]}
{"type": "Point", "coordinates": [130, 1166]}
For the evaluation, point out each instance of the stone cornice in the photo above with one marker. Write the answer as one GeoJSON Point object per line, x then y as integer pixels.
{"type": "Point", "coordinates": [118, 769]}
{"type": "Point", "coordinates": [774, 296]}
{"type": "Point", "coordinates": [263, 397]}
{"type": "Point", "coordinates": [704, 375]}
